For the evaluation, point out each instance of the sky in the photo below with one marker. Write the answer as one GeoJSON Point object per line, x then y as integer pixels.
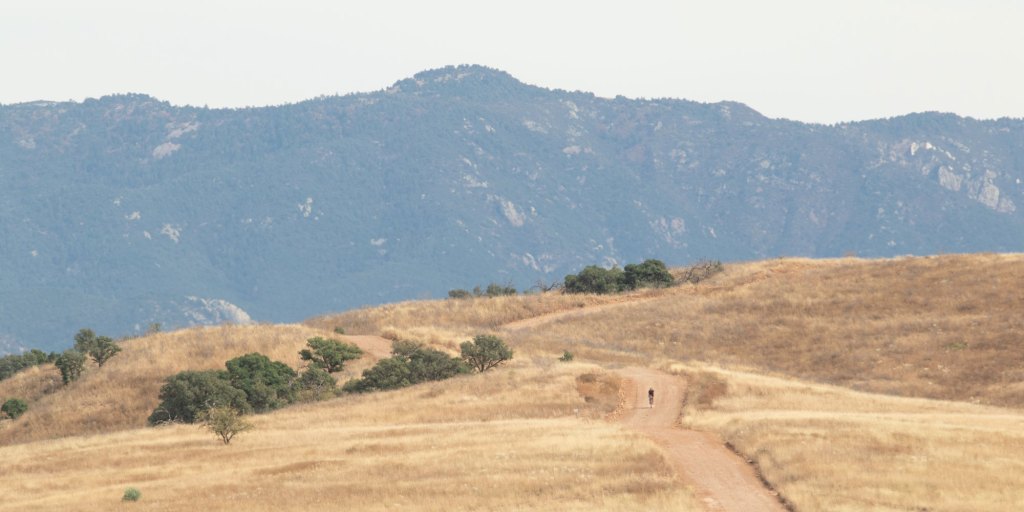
{"type": "Point", "coordinates": [813, 61]}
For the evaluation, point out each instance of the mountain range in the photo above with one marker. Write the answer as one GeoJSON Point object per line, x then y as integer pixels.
{"type": "Point", "coordinates": [124, 211]}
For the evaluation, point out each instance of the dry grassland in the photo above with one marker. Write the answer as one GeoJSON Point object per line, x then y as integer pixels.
{"type": "Point", "coordinates": [446, 323]}
{"type": "Point", "coordinates": [831, 449]}
{"type": "Point", "coordinates": [124, 392]}
{"type": "Point", "coordinates": [946, 327]}
{"type": "Point", "coordinates": [509, 440]}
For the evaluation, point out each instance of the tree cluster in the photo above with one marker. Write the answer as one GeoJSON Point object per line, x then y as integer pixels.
{"type": "Point", "coordinates": [14, 363]}
{"type": "Point", "coordinates": [253, 383]}
{"type": "Point", "coordinates": [594, 279]}
{"type": "Point", "coordinates": [412, 363]}
{"type": "Point", "coordinates": [492, 290]}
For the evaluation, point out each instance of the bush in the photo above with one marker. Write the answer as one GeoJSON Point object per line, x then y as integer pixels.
{"type": "Point", "coordinates": [497, 290]}
{"type": "Point", "coordinates": [71, 363]}
{"type": "Point", "coordinates": [226, 422]}
{"type": "Point", "coordinates": [131, 494]}
{"type": "Point", "coordinates": [594, 279]}
{"type": "Point", "coordinates": [267, 384]}
{"type": "Point", "coordinates": [459, 294]}
{"type": "Point", "coordinates": [339, 330]}
{"type": "Point", "coordinates": [702, 270]}
{"type": "Point", "coordinates": [186, 395]}
{"type": "Point", "coordinates": [14, 407]}
{"type": "Point", "coordinates": [410, 363]}
{"type": "Point", "coordinates": [315, 384]}
{"type": "Point", "coordinates": [329, 354]}
{"type": "Point", "coordinates": [566, 357]}
{"type": "Point", "coordinates": [650, 273]}
{"type": "Point", "coordinates": [485, 352]}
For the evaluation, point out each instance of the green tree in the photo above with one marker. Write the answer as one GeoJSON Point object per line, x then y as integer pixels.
{"type": "Point", "coordinates": [650, 273]}
{"type": "Point", "coordinates": [410, 363]}
{"type": "Point", "coordinates": [102, 349]}
{"type": "Point", "coordinates": [14, 407]}
{"type": "Point", "coordinates": [485, 352]}
{"type": "Point", "coordinates": [71, 363]}
{"type": "Point", "coordinates": [267, 384]}
{"type": "Point", "coordinates": [595, 279]}
{"type": "Point", "coordinates": [388, 373]}
{"type": "Point", "coordinates": [84, 340]}
{"type": "Point", "coordinates": [329, 354]}
{"type": "Point", "coordinates": [185, 395]}
{"type": "Point", "coordinates": [226, 422]}
{"type": "Point", "coordinates": [315, 384]}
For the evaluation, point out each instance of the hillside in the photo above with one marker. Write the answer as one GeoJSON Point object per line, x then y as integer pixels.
{"type": "Point", "coordinates": [765, 355]}
{"type": "Point", "coordinates": [125, 210]}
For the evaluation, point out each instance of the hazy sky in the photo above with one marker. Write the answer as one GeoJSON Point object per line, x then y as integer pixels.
{"type": "Point", "coordinates": [821, 61]}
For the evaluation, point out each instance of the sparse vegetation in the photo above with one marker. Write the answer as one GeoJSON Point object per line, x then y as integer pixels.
{"type": "Point", "coordinates": [594, 279]}
{"type": "Point", "coordinates": [701, 270]}
{"type": "Point", "coordinates": [486, 351]}
{"type": "Point", "coordinates": [566, 357]}
{"type": "Point", "coordinates": [14, 408]}
{"type": "Point", "coordinates": [225, 422]}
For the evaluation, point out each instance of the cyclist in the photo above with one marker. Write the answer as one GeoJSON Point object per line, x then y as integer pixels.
{"type": "Point", "coordinates": [650, 397]}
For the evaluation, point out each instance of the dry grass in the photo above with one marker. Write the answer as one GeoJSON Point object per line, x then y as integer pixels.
{"type": "Point", "coordinates": [942, 327]}
{"type": "Point", "coordinates": [831, 449]}
{"type": "Point", "coordinates": [124, 392]}
{"type": "Point", "coordinates": [501, 441]}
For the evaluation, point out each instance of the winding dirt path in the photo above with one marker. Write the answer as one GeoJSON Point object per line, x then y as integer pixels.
{"type": "Point", "coordinates": [722, 480]}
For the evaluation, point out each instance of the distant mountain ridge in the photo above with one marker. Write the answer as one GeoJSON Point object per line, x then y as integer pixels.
{"type": "Point", "coordinates": [125, 210]}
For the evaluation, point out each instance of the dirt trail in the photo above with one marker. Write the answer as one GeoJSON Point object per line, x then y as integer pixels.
{"type": "Point", "coordinates": [722, 480]}
{"type": "Point", "coordinates": [374, 345]}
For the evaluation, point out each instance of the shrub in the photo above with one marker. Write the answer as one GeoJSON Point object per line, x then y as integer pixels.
{"type": "Point", "coordinates": [226, 422]}
{"type": "Point", "coordinates": [131, 494]}
{"type": "Point", "coordinates": [594, 279]}
{"type": "Point", "coordinates": [459, 294]}
{"type": "Point", "coordinates": [315, 384]}
{"type": "Point", "coordinates": [650, 273]}
{"type": "Point", "coordinates": [186, 395]}
{"type": "Point", "coordinates": [71, 363]}
{"type": "Point", "coordinates": [702, 270]}
{"type": "Point", "coordinates": [566, 357]}
{"type": "Point", "coordinates": [410, 363]}
{"type": "Point", "coordinates": [485, 352]}
{"type": "Point", "coordinates": [329, 354]}
{"type": "Point", "coordinates": [14, 407]}
{"type": "Point", "coordinates": [267, 384]}
{"type": "Point", "coordinates": [339, 330]}
{"type": "Point", "coordinates": [84, 339]}
{"type": "Point", "coordinates": [497, 290]}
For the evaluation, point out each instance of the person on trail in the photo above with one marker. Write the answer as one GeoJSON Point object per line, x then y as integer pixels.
{"type": "Point", "coordinates": [650, 397]}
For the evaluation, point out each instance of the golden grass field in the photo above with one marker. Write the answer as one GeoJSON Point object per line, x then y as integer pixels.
{"type": "Point", "coordinates": [853, 384]}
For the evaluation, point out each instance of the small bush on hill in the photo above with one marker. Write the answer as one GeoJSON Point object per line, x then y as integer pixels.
{"type": "Point", "coordinates": [267, 384]}
{"type": "Point", "coordinates": [459, 294]}
{"type": "Point", "coordinates": [566, 357]}
{"type": "Point", "coordinates": [497, 290]}
{"type": "Point", "coordinates": [131, 494]}
{"type": "Point", "coordinates": [485, 352]}
{"type": "Point", "coordinates": [14, 407]}
{"type": "Point", "coordinates": [701, 270]}
{"type": "Point", "coordinates": [329, 354]}
{"type": "Point", "coordinates": [186, 395]}
{"type": "Point", "coordinates": [225, 422]}
{"type": "Point", "coordinates": [71, 363]}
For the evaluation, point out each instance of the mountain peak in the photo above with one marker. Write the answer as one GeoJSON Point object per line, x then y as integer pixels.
{"type": "Point", "coordinates": [465, 78]}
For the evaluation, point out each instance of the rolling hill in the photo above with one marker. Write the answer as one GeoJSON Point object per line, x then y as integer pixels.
{"type": "Point", "coordinates": [123, 211]}
{"type": "Point", "coordinates": [849, 384]}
